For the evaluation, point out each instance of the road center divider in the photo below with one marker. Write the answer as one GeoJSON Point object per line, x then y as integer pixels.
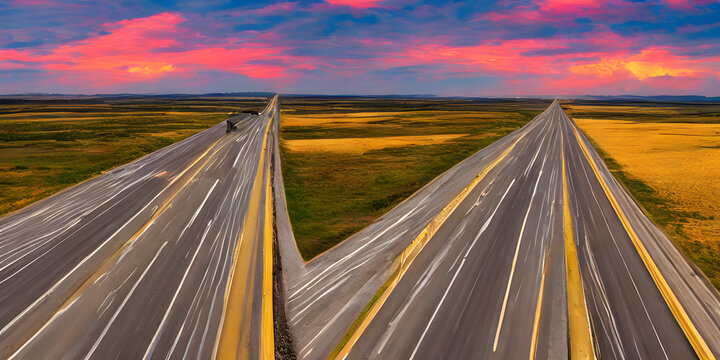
{"type": "Point", "coordinates": [267, 330]}
{"type": "Point", "coordinates": [234, 336]}
{"type": "Point", "coordinates": [581, 344]}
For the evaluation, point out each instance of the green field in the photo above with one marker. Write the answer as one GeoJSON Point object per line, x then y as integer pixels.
{"type": "Point", "coordinates": [48, 145]}
{"type": "Point", "coordinates": [335, 187]}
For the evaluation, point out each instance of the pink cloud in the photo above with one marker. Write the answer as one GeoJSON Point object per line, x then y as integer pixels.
{"type": "Point", "coordinates": [29, 3]}
{"type": "Point", "coordinates": [549, 11]}
{"type": "Point", "coordinates": [143, 49]}
{"type": "Point", "coordinates": [166, 48]}
{"type": "Point", "coordinates": [570, 6]}
{"type": "Point", "coordinates": [508, 57]}
{"type": "Point", "coordinates": [356, 3]}
{"type": "Point", "coordinates": [616, 70]}
{"type": "Point", "coordinates": [689, 4]}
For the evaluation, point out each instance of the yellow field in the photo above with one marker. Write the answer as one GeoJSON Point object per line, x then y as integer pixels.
{"type": "Point", "coordinates": [680, 161]}
{"type": "Point", "coordinates": [363, 145]}
{"type": "Point", "coordinates": [290, 118]}
{"type": "Point", "coordinates": [626, 109]}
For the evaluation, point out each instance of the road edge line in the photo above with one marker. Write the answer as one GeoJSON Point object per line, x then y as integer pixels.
{"type": "Point", "coordinates": [681, 316]}
{"type": "Point", "coordinates": [403, 261]}
{"type": "Point", "coordinates": [267, 331]}
{"type": "Point", "coordinates": [538, 310]}
{"type": "Point", "coordinates": [579, 333]}
{"type": "Point", "coordinates": [223, 350]}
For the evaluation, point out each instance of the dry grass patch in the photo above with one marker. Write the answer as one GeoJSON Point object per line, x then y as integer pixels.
{"type": "Point", "coordinates": [672, 168]}
{"type": "Point", "coordinates": [363, 145]}
{"type": "Point", "coordinates": [680, 161]}
{"type": "Point", "coordinates": [327, 119]}
{"type": "Point", "coordinates": [348, 161]}
{"type": "Point", "coordinates": [625, 109]}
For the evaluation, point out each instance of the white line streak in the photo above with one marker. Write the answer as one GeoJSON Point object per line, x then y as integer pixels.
{"type": "Point", "coordinates": [512, 269]}
{"type": "Point", "coordinates": [161, 327]}
{"type": "Point", "coordinates": [122, 305]}
{"type": "Point", "coordinates": [417, 346]}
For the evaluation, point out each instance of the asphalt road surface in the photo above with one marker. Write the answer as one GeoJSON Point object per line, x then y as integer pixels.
{"type": "Point", "coordinates": [136, 263]}
{"type": "Point", "coordinates": [545, 255]}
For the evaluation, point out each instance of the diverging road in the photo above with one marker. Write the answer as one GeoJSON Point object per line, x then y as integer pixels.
{"type": "Point", "coordinates": [528, 249]}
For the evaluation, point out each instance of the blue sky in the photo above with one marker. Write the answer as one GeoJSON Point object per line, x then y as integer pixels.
{"type": "Point", "coordinates": [501, 48]}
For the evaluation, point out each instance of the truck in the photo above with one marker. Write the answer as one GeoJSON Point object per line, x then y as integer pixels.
{"type": "Point", "coordinates": [235, 118]}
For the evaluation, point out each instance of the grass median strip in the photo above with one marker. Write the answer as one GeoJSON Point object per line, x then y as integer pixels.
{"type": "Point", "coordinates": [370, 154]}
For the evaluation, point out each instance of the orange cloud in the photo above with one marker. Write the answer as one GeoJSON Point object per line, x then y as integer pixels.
{"type": "Point", "coordinates": [148, 70]}
{"type": "Point", "coordinates": [644, 70]}
{"type": "Point", "coordinates": [603, 68]}
{"type": "Point", "coordinates": [540, 58]}
{"type": "Point", "coordinates": [649, 63]}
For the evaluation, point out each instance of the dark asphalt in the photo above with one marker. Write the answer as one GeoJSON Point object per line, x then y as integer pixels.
{"type": "Point", "coordinates": [135, 263]}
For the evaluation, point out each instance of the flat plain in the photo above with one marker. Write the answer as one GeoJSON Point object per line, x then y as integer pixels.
{"type": "Point", "coordinates": [347, 161]}
{"type": "Point", "coordinates": [48, 145]}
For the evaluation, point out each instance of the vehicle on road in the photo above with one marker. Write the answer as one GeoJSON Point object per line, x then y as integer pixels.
{"type": "Point", "coordinates": [236, 118]}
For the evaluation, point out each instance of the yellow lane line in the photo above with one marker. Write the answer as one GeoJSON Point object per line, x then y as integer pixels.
{"type": "Point", "coordinates": [404, 260]}
{"type": "Point", "coordinates": [234, 337]}
{"type": "Point", "coordinates": [692, 334]}
{"type": "Point", "coordinates": [581, 345]}
{"type": "Point", "coordinates": [538, 311]}
{"type": "Point", "coordinates": [267, 347]}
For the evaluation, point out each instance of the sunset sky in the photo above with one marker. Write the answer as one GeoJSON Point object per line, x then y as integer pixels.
{"type": "Point", "coordinates": [473, 48]}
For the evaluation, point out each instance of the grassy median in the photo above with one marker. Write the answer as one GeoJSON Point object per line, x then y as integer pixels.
{"type": "Point", "coordinates": [347, 161]}
{"type": "Point", "coordinates": [48, 145]}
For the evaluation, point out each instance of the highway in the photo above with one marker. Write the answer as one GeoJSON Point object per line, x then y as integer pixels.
{"type": "Point", "coordinates": [164, 257]}
{"type": "Point", "coordinates": [528, 249]}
